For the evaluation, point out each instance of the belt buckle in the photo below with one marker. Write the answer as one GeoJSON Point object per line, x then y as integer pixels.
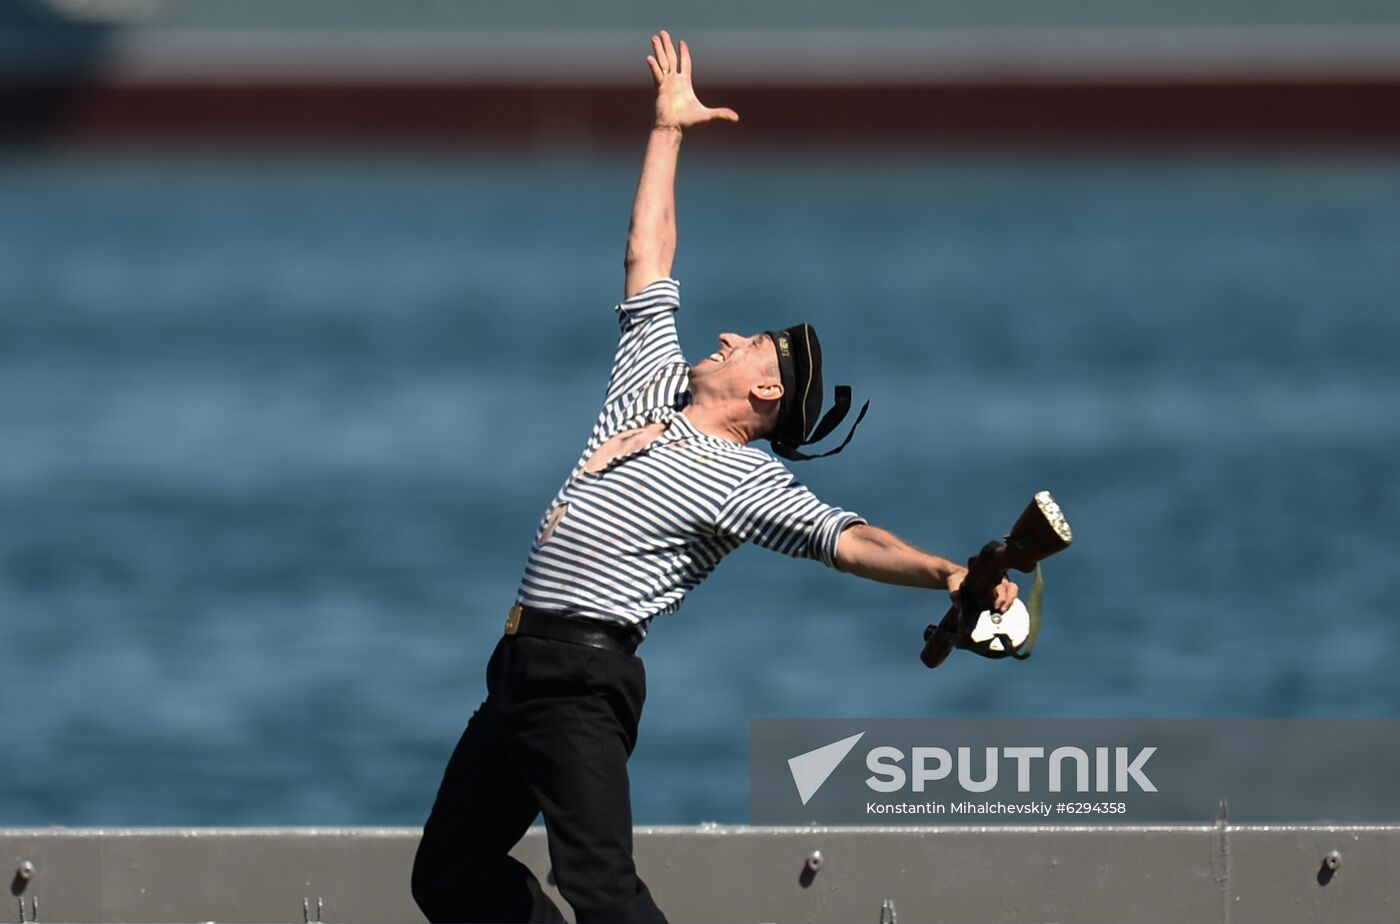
{"type": "Point", "coordinates": [513, 619]}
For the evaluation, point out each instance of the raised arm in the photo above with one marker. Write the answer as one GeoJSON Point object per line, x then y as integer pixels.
{"type": "Point", "coordinates": [651, 237]}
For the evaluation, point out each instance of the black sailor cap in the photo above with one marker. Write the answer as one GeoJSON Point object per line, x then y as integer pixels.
{"type": "Point", "coordinates": [800, 365]}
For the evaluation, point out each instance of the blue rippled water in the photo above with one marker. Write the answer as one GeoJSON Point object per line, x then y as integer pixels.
{"type": "Point", "coordinates": [275, 433]}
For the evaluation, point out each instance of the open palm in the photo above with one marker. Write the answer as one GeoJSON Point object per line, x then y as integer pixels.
{"type": "Point", "coordinates": [676, 103]}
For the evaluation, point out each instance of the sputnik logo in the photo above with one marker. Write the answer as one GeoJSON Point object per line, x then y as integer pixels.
{"type": "Point", "coordinates": [811, 770]}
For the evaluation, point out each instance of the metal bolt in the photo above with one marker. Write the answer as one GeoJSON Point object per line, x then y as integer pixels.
{"type": "Point", "coordinates": [25, 871]}
{"type": "Point", "coordinates": [1333, 859]}
{"type": "Point", "coordinates": [814, 860]}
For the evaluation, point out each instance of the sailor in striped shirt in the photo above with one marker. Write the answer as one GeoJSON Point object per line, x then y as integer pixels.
{"type": "Point", "coordinates": [667, 485]}
{"type": "Point", "coordinates": [632, 530]}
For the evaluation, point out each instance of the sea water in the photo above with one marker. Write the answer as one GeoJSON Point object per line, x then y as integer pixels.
{"type": "Point", "coordinates": [276, 430]}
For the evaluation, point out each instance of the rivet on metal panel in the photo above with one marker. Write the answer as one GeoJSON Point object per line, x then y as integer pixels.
{"type": "Point", "coordinates": [1331, 862]}
{"type": "Point", "coordinates": [887, 912]}
{"type": "Point", "coordinates": [810, 865]}
{"type": "Point", "coordinates": [23, 875]}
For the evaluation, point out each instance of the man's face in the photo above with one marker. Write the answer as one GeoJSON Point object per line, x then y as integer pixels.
{"type": "Point", "coordinates": [739, 365]}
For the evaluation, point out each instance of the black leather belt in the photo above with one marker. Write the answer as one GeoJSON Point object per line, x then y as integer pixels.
{"type": "Point", "coordinates": [524, 620]}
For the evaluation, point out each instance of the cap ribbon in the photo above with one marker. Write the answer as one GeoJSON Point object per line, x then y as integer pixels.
{"type": "Point", "coordinates": [829, 422]}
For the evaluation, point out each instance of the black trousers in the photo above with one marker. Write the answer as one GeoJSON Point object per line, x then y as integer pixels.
{"type": "Point", "coordinates": [553, 736]}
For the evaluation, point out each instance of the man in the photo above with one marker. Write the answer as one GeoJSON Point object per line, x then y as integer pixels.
{"type": "Point", "coordinates": [666, 486]}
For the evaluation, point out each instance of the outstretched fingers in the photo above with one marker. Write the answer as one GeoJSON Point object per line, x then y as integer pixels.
{"type": "Point", "coordinates": [676, 101]}
{"type": "Point", "coordinates": [669, 62]}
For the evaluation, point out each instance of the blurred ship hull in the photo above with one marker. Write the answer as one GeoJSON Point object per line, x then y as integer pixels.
{"type": "Point", "coordinates": [185, 74]}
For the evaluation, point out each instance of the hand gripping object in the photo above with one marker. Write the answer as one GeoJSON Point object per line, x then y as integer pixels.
{"type": "Point", "coordinates": [1040, 532]}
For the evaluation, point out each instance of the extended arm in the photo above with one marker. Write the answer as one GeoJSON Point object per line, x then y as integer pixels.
{"type": "Point", "coordinates": [651, 237]}
{"type": "Point", "coordinates": [879, 555]}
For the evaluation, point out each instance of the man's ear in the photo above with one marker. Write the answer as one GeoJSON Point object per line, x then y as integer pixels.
{"type": "Point", "coordinates": [767, 391]}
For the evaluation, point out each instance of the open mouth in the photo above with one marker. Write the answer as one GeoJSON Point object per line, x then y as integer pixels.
{"type": "Point", "coordinates": [717, 357]}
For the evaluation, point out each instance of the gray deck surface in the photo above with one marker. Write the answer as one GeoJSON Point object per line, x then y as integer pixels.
{"type": "Point", "coordinates": [1226, 873]}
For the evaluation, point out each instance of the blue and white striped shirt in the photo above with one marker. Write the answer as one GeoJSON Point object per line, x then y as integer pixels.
{"type": "Point", "coordinates": [627, 543]}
